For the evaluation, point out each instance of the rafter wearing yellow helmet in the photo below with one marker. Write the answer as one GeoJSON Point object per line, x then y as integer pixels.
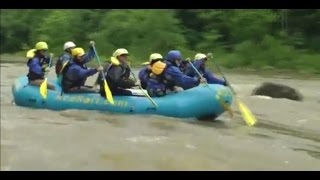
{"type": "Point", "coordinates": [76, 73]}
{"type": "Point", "coordinates": [199, 64]}
{"type": "Point", "coordinates": [145, 71]}
{"type": "Point", "coordinates": [40, 49]}
{"type": "Point", "coordinates": [168, 76]}
{"type": "Point", "coordinates": [154, 83]}
{"type": "Point", "coordinates": [119, 56]}
{"type": "Point", "coordinates": [118, 74]}
{"type": "Point", "coordinates": [39, 64]}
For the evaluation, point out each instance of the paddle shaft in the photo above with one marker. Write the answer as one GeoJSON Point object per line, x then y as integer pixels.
{"type": "Point", "coordinates": [98, 59]}
{"type": "Point", "coordinates": [220, 71]}
{"type": "Point", "coordinates": [197, 72]}
{"type": "Point", "coordinates": [146, 94]}
{"type": "Point", "coordinates": [50, 62]}
{"type": "Point", "coordinates": [108, 93]}
{"type": "Point", "coordinates": [43, 86]}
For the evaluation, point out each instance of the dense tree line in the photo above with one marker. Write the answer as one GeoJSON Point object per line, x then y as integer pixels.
{"type": "Point", "coordinates": [286, 39]}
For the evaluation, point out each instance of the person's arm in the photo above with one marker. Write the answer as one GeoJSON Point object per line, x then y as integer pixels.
{"type": "Point", "coordinates": [190, 71]}
{"type": "Point", "coordinates": [83, 73]}
{"type": "Point", "coordinates": [181, 79]}
{"type": "Point", "coordinates": [143, 74]}
{"type": "Point", "coordinates": [211, 79]}
{"type": "Point", "coordinates": [89, 55]}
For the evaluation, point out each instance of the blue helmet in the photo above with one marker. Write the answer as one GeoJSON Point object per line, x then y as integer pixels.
{"type": "Point", "coordinates": [174, 54]}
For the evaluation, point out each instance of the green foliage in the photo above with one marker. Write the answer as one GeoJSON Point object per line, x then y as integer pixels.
{"type": "Point", "coordinates": [57, 28]}
{"type": "Point", "coordinates": [269, 52]}
{"type": "Point", "coordinates": [16, 28]}
{"type": "Point", "coordinates": [258, 39]}
{"type": "Point", "coordinates": [150, 31]}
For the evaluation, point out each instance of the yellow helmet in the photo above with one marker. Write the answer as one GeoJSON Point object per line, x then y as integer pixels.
{"type": "Point", "coordinates": [41, 46]}
{"type": "Point", "coordinates": [200, 56]}
{"type": "Point", "coordinates": [155, 56]}
{"type": "Point", "coordinates": [120, 52]}
{"type": "Point", "coordinates": [158, 67]}
{"type": "Point", "coordinates": [77, 52]}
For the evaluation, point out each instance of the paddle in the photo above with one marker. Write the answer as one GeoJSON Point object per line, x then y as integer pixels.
{"type": "Point", "coordinates": [106, 87]}
{"type": "Point", "coordinates": [198, 72]}
{"type": "Point", "coordinates": [146, 94]}
{"type": "Point", "coordinates": [226, 107]}
{"type": "Point", "coordinates": [245, 112]}
{"type": "Point", "coordinates": [43, 85]}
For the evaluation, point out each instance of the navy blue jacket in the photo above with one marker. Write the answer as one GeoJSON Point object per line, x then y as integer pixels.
{"type": "Point", "coordinates": [199, 64]}
{"type": "Point", "coordinates": [37, 66]}
{"type": "Point", "coordinates": [76, 74]}
{"type": "Point", "coordinates": [143, 76]}
{"type": "Point", "coordinates": [176, 78]}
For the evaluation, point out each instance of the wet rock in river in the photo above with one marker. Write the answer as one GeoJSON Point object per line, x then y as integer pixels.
{"type": "Point", "coordinates": [277, 91]}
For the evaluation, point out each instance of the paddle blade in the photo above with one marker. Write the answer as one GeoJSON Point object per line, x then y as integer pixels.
{"type": "Point", "coordinates": [43, 89]}
{"type": "Point", "coordinates": [108, 92]}
{"type": "Point", "coordinates": [246, 114]}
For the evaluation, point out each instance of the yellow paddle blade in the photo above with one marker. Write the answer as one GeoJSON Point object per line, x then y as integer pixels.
{"type": "Point", "coordinates": [43, 89]}
{"type": "Point", "coordinates": [108, 92]}
{"type": "Point", "coordinates": [246, 114]}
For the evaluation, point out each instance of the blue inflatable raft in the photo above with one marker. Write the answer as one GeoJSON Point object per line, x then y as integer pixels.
{"type": "Point", "coordinates": [199, 102]}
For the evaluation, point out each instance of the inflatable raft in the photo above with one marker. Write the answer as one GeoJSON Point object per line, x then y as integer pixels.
{"type": "Point", "coordinates": [198, 102]}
